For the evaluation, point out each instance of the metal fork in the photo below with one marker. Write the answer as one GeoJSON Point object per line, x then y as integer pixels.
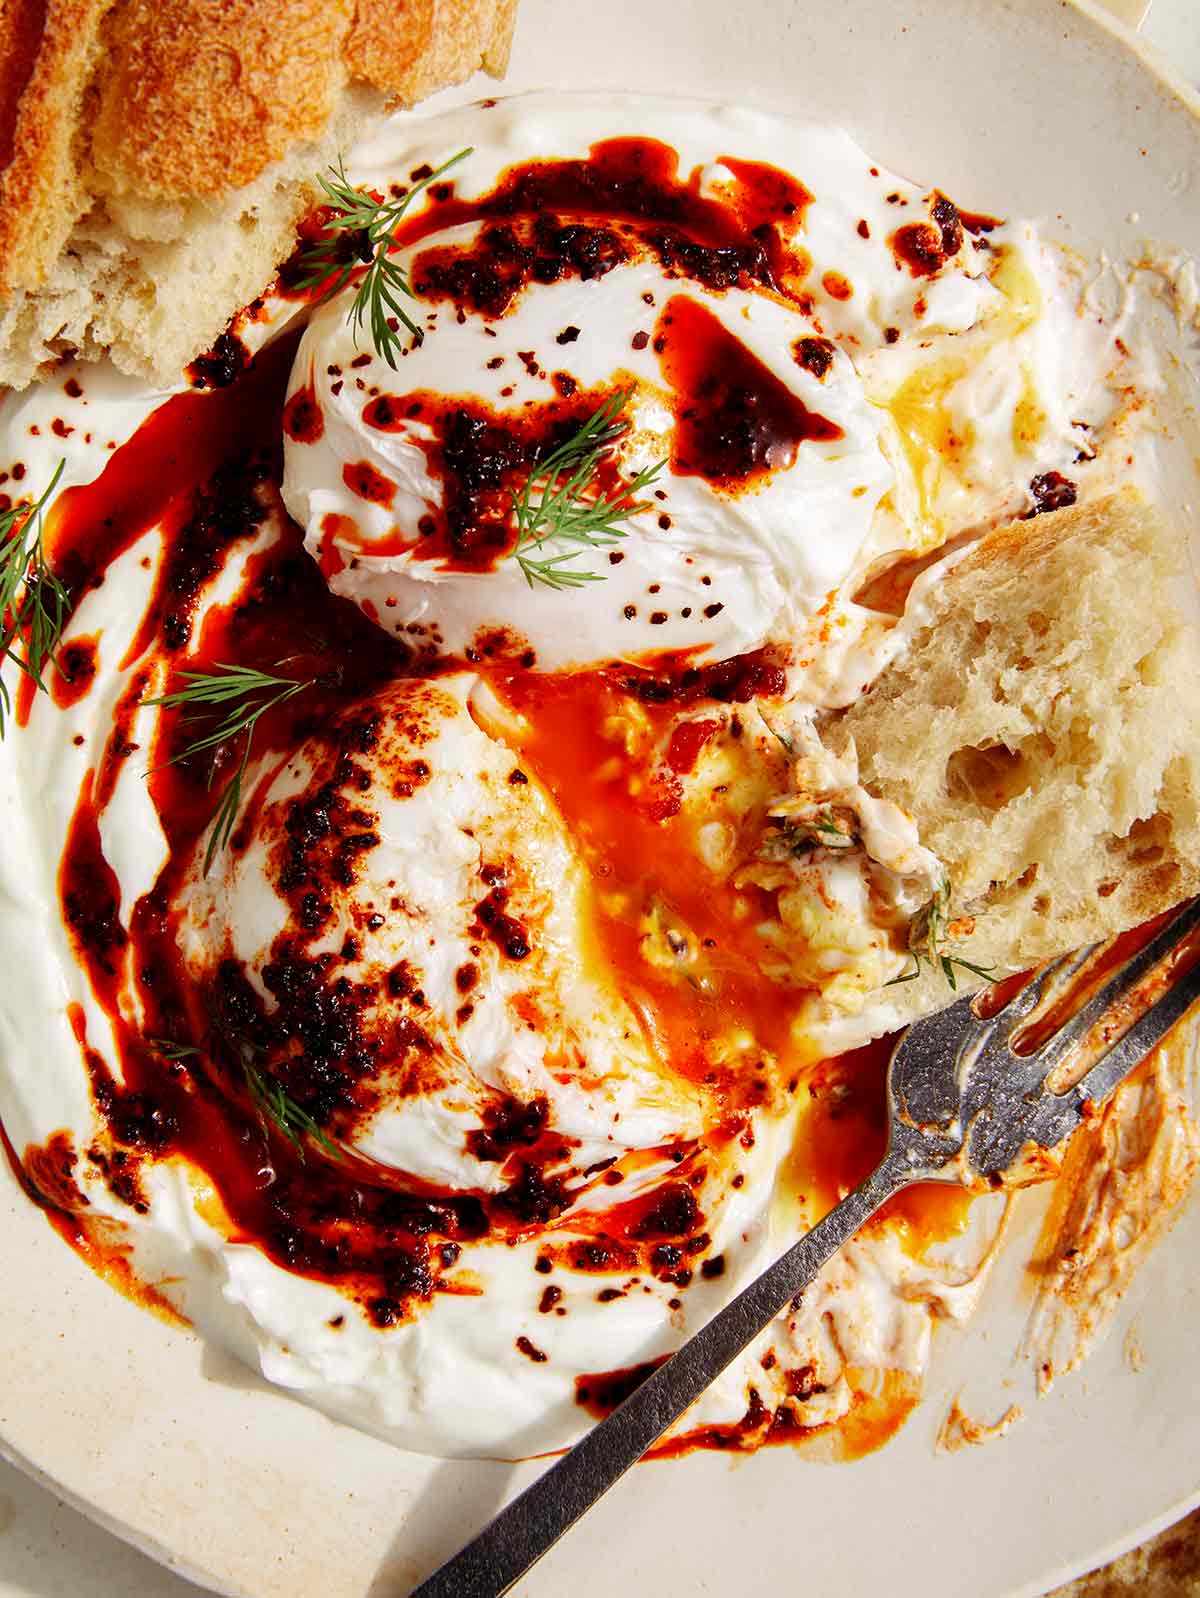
{"type": "Point", "coordinates": [966, 1104]}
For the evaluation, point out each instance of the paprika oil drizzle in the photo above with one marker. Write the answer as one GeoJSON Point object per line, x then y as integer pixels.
{"type": "Point", "coordinates": [735, 421]}
{"type": "Point", "coordinates": [480, 457]}
{"type": "Point", "coordinates": [172, 473]}
{"type": "Point", "coordinates": [628, 188]}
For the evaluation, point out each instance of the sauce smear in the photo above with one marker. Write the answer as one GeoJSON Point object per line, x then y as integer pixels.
{"type": "Point", "coordinates": [735, 421]}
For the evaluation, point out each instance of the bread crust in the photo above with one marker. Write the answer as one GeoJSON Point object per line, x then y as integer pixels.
{"type": "Point", "coordinates": [123, 121]}
{"type": "Point", "coordinates": [418, 57]}
{"type": "Point", "coordinates": [48, 49]}
{"type": "Point", "coordinates": [382, 53]}
{"type": "Point", "coordinates": [199, 96]}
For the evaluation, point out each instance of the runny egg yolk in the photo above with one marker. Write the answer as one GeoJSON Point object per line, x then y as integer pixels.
{"type": "Point", "coordinates": [640, 844]}
{"type": "Point", "coordinates": [842, 1136]}
{"type": "Point", "coordinates": [734, 1029]}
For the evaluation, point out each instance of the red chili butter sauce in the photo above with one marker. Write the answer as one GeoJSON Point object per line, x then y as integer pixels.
{"type": "Point", "coordinates": [601, 1392]}
{"type": "Point", "coordinates": [481, 457]}
{"type": "Point", "coordinates": [74, 667]}
{"type": "Point", "coordinates": [735, 421]}
{"type": "Point", "coordinates": [874, 1416]}
{"type": "Point", "coordinates": [978, 222]}
{"type": "Point", "coordinates": [553, 219]}
{"type": "Point", "coordinates": [873, 1419]}
{"type": "Point", "coordinates": [925, 247]}
{"type": "Point", "coordinates": [203, 465]}
{"type": "Point", "coordinates": [365, 480]}
{"type": "Point", "coordinates": [303, 419]}
{"type": "Point", "coordinates": [193, 468]}
{"type": "Point", "coordinates": [47, 1178]}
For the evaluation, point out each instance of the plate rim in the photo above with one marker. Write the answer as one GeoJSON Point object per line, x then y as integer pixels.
{"type": "Point", "coordinates": [1180, 88]}
{"type": "Point", "coordinates": [1136, 42]}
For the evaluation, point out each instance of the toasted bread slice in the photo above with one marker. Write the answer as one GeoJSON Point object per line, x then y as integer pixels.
{"type": "Point", "coordinates": [155, 155]}
{"type": "Point", "coordinates": [1044, 731]}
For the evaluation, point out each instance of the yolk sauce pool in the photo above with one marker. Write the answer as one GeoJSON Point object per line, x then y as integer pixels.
{"type": "Point", "coordinates": [640, 848]}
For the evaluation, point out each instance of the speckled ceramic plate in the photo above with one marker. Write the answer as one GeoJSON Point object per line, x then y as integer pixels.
{"type": "Point", "coordinates": [1011, 105]}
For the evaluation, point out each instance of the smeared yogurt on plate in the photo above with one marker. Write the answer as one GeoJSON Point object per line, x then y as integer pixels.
{"type": "Point", "coordinates": [486, 1055]}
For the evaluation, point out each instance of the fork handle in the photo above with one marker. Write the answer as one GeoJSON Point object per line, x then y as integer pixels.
{"type": "Point", "coordinates": [522, 1532]}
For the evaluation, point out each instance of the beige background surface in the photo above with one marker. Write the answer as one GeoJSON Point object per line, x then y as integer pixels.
{"type": "Point", "coordinates": [49, 1551]}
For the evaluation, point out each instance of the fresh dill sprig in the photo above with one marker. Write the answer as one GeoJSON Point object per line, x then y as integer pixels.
{"type": "Point", "coordinates": [246, 695]}
{"type": "Point", "coordinates": [173, 1051]}
{"type": "Point", "coordinates": [789, 748]}
{"type": "Point", "coordinates": [360, 231]}
{"type": "Point", "coordinates": [823, 828]}
{"type": "Point", "coordinates": [273, 1105]}
{"type": "Point", "coordinates": [276, 1107]}
{"type": "Point", "coordinates": [34, 603]}
{"type": "Point", "coordinates": [804, 832]}
{"type": "Point", "coordinates": [567, 508]}
{"type": "Point", "coordinates": [927, 942]}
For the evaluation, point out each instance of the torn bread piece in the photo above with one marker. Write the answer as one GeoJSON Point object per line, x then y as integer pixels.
{"type": "Point", "coordinates": [1043, 730]}
{"type": "Point", "coordinates": [156, 155]}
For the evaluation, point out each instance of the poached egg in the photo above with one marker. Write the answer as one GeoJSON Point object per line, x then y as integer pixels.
{"type": "Point", "coordinates": [560, 271]}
